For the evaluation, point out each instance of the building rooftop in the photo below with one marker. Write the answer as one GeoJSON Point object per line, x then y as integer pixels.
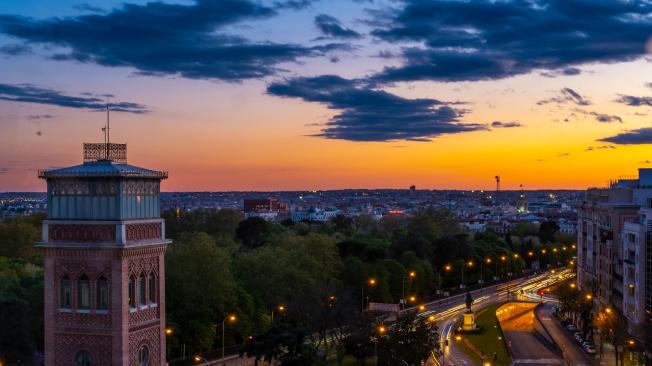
{"type": "Point", "coordinates": [102, 168]}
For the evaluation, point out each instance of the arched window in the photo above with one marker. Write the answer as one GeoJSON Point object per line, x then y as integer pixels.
{"type": "Point", "coordinates": [83, 293]}
{"type": "Point", "coordinates": [142, 295]}
{"type": "Point", "coordinates": [82, 358]}
{"type": "Point", "coordinates": [132, 292]}
{"type": "Point", "coordinates": [102, 294]}
{"type": "Point", "coordinates": [65, 295]}
{"type": "Point", "coordinates": [152, 289]}
{"type": "Point", "coordinates": [143, 355]}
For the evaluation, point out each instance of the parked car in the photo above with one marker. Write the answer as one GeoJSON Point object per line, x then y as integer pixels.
{"type": "Point", "coordinates": [590, 349]}
{"type": "Point", "coordinates": [571, 328]}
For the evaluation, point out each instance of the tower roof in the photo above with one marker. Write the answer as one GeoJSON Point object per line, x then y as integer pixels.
{"type": "Point", "coordinates": [103, 160]}
{"type": "Point", "coordinates": [103, 168]}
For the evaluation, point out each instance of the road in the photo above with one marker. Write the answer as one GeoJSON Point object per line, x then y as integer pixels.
{"type": "Point", "coordinates": [449, 310]}
{"type": "Point", "coordinates": [572, 352]}
{"type": "Point", "coordinates": [525, 346]}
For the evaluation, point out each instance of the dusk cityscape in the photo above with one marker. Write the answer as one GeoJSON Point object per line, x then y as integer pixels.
{"type": "Point", "coordinates": [325, 182]}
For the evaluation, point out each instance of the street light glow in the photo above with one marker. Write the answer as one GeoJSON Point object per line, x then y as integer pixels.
{"type": "Point", "coordinates": [232, 318]}
{"type": "Point", "coordinates": [413, 274]}
{"type": "Point", "coordinates": [168, 331]}
{"type": "Point", "coordinates": [372, 282]}
{"type": "Point", "coordinates": [382, 329]}
{"type": "Point", "coordinates": [422, 307]}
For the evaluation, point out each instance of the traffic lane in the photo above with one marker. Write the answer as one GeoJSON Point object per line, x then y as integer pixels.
{"type": "Point", "coordinates": [570, 349]}
{"type": "Point", "coordinates": [522, 341]}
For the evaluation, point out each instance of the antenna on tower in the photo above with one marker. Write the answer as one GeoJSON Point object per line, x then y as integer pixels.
{"type": "Point", "coordinates": [107, 129]}
{"type": "Point", "coordinates": [497, 184]}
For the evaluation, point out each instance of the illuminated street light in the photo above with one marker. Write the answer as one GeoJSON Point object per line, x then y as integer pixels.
{"type": "Point", "coordinates": [573, 246]}
{"type": "Point", "coordinates": [431, 318]}
{"type": "Point", "coordinates": [413, 274]}
{"type": "Point", "coordinates": [422, 307]}
{"type": "Point", "coordinates": [572, 285]}
{"type": "Point", "coordinates": [608, 310]}
{"type": "Point", "coordinates": [231, 318]}
{"type": "Point", "coordinates": [631, 342]}
{"type": "Point", "coordinates": [543, 251]}
{"type": "Point", "coordinates": [168, 332]}
{"type": "Point", "coordinates": [448, 268]}
{"type": "Point", "coordinates": [413, 298]}
{"type": "Point", "coordinates": [382, 329]}
{"type": "Point", "coordinates": [372, 282]}
{"type": "Point", "coordinates": [503, 258]}
{"type": "Point", "coordinates": [458, 338]}
{"type": "Point", "coordinates": [488, 260]}
{"type": "Point", "coordinates": [470, 264]}
{"type": "Point", "coordinates": [530, 253]}
{"type": "Point", "coordinates": [515, 255]}
{"type": "Point", "coordinates": [589, 296]}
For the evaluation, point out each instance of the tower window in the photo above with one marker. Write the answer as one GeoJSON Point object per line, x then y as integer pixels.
{"type": "Point", "coordinates": [82, 358]}
{"type": "Point", "coordinates": [83, 293]}
{"type": "Point", "coordinates": [143, 355]}
{"type": "Point", "coordinates": [102, 294]}
{"type": "Point", "coordinates": [142, 295]}
{"type": "Point", "coordinates": [132, 292]}
{"type": "Point", "coordinates": [152, 289]}
{"type": "Point", "coordinates": [65, 295]}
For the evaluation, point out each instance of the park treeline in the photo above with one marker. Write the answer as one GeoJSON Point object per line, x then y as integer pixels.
{"type": "Point", "coordinates": [315, 276]}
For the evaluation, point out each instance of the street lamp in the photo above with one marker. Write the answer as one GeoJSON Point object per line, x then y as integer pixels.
{"type": "Point", "coordinates": [168, 332]}
{"type": "Point", "coordinates": [422, 307]}
{"type": "Point", "coordinates": [411, 275]}
{"type": "Point", "coordinates": [371, 282]}
{"type": "Point", "coordinates": [381, 331]}
{"type": "Point", "coordinates": [280, 309]}
{"type": "Point", "coordinates": [231, 318]}
{"type": "Point", "coordinates": [198, 358]}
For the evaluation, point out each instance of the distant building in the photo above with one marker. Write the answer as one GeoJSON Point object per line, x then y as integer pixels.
{"type": "Point", "coordinates": [314, 214]}
{"type": "Point", "coordinates": [269, 209]}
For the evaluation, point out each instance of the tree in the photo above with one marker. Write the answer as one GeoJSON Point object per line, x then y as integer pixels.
{"type": "Point", "coordinates": [547, 231]}
{"type": "Point", "coordinates": [251, 231]}
{"type": "Point", "coordinates": [17, 344]}
{"type": "Point", "coordinates": [200, 289]}
{"type": "Point", "coordinates": [409, 341]}
{"type": "Point", "coordinates": [283, 343]}
{"type": "Point", "coordinates": [17, 238]}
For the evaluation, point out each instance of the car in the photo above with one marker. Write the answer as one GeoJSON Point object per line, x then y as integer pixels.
{"type": "Point", "coordinates": [590, 349]}
{"type": "Point", "coordinates": [571, 328]}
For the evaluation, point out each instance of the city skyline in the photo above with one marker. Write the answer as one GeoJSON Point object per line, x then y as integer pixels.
{"type": "Point", "coordinates": [301, 95]}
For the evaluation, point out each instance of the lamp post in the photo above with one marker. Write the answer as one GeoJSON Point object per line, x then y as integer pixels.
{"type": "Point", "coordinates": [370, 282]}
{"type": "Point", "coordinates": [381, 330]}
{"type": "Point", "coordinates": [502, 259]}
{"type": "Point", "coordinates": [280, 308]}
{"type": "Point", "coordinates": [411, 275]}
{"type": "Point", "coordinates": [231, 319]}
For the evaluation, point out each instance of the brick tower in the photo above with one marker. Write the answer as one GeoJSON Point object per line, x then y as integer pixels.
{"type": "Point", "coordinates": [104, 245]}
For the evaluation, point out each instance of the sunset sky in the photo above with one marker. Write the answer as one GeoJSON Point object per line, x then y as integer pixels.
{"type": "Point", "coordinates": [309, 94]}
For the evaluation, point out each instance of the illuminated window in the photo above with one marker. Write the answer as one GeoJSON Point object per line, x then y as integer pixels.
{"type": "Point", "coordinates": [152, 289]}
{"type": "Point", "coordinates": [102, 294]}
{"type": "Point", "coordinates": [83, 293]}
{"type": "Point", "coordinates": [65, 297]}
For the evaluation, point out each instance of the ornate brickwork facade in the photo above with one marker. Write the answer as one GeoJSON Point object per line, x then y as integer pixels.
{"type": "Point", "coordinates": [139, 232]}
{"type": "Point", "coordinates": [98, 346]}
{"type": "Point", "coordinates": [97, 233]}
{"type": "Point", "coordinates": [148, 337]}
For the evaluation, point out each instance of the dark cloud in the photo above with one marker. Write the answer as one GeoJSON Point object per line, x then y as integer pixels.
{"type": "Point", "coordinates": [568, 95]}
{"type": "Point", "coordinates": [569, 71]}
{"type": "Point", "coordinates": [166, 39]}
{"type": "Point", "coordinates": [331, 27]}
{"type": "Point", "coordinates": [448, 40]}
{"type": "Point", "coordinates": [34, 117]}
{"type": "Point", "coordinates": [26, 93]}
{"type": "Point", "coordinates": [15, 49]}
{"type": "Point", "coordinates": [563, 155]}
{"type": "Point", "coordinates": [367, 114]}
{"type": "Point", "coordinates": [499, 124]}
{"type": "Point", "coordinates": [600, 117]}
{"type": "Point", "coordinates": [633, 137]}
{"type": "Point", "coordinates": [634, 101]}
{"type": "Point", "coordinates": [3, 170]}
{"type": "Point", "coordinates": [602, 147]}
{"type": "Point", "coordinates": [86, 7]}
{"type": "Point", "coordinates": [649, 85]}
{"type": "Point", "coordinates": [294, 4]}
